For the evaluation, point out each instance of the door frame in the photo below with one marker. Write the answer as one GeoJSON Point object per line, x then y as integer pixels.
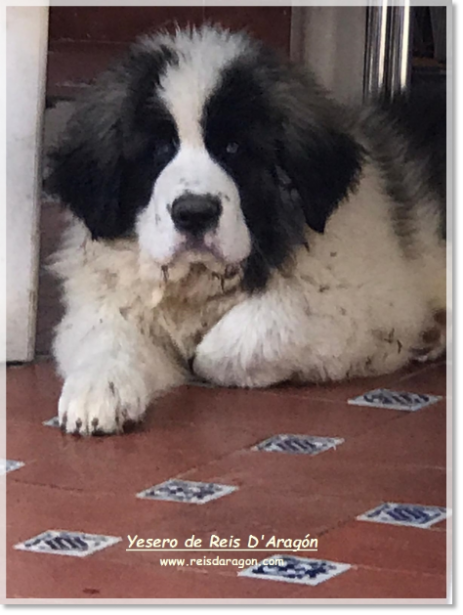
{"type": "Point", "coordinates": [27, 43]}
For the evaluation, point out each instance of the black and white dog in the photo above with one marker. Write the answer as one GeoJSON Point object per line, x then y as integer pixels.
{"type": "Point", "coordinates": [229, 220]}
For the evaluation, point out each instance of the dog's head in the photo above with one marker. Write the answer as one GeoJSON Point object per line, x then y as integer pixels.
{"type": "Point", "coordinates": [203, 143]}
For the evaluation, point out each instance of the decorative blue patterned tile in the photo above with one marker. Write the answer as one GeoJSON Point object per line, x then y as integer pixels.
{"type": "Point", "coordinates": [293, 444]}
{"type": "Point", "coordinates": [413, 515]}
{"type": "Point", "coordinates": [54, 422]}
{"type": "Point", "coordinates": [394, 400]}
{"type": "Point", "coordinates": [6, 465]}
{"type": "Point", "coordinates": [62, 542]}
{"type": "Point", "coordinates": [187, 491]}
{"type": "Point", "coordinates": [292, 569]}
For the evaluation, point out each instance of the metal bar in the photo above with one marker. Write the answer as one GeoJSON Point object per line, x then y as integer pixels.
{"type": "Point", "coordinates": [388, 50]}
{"type": "Point", "coordinates": [399, 61]}
{"type": "Point", "coordinates": [376, 51]}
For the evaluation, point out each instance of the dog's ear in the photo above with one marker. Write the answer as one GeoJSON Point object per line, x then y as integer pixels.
{"type": "Point", "coordinates": [320, 160]}
{"type": "Point", "coordinates": [86, 167]}
{"type": "Point", "coordinates": [90, 165]}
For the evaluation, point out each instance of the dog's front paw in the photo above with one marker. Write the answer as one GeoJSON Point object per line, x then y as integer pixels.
{"type": "Point", "coordinates": [99, 401]}
{"type": "Point", "coordinates": [229, 365]}
{"type": "Point", "coordinates": [246, 348]}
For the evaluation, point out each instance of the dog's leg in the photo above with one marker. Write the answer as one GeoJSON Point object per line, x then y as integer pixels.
{"type": "Point", "coordinates": [433, 341]}
{"type": "Point", "coordinates": [111, 372]}
{"type": "Point", "coordinates": [274, 338]}
{"type": "Point", "coordinates": [252, 345]}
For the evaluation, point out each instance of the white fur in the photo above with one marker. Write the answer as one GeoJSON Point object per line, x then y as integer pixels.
{"type": "Point", "coordinates": [352, 296]}
{"type": "Point", "coordinates": [184, 88]}
{"type": "Point", "coordinates": [353, 307]}
{"type": "Point", "coordinates": [193, 171]}
{"type": "Point", "coordinates": [203, 55]}
{"type": "Point", "coordinates": [138, 309]}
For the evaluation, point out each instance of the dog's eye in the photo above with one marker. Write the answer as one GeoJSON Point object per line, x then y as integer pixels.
{"type": "Point", "coordinates": [232, 148]}
{"type": "Point", "coordinates": [165, 149]}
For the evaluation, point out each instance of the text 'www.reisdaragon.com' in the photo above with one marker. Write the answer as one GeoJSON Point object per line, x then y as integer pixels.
{"type": "Point", "coordinates": [218, 561]}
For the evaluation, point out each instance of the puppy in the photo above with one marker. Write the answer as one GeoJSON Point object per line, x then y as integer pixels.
{"type": "Point", "coordinates": [228, 221]}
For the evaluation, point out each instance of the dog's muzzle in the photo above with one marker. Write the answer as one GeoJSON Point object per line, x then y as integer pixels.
{"type": "Point", "coordinates": [195, 214]}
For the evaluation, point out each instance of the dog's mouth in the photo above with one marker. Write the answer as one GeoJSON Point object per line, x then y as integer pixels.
{"type": "Point", "coordinates": [194, 253]}
{"type": "Point", "coordinates": [197, 249]}
{"type": "Point", "coordinates": [205, 249]}
{"type": "Point", "coordinates": [196, 244]}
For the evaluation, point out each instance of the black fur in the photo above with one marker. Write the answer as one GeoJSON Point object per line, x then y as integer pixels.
{"type": "Point", "coordinates": [292, 168]}
{"type": "Point", "coordinates": [239, 115]}
{"type": "Point", "coordinates": [268, 125]}
{"type": "Point", "coordinates": [116, 144]}
{"type": "Point", "coordinates": [422, 119]}
{"type": "Point", "coordinates": [407, 140]}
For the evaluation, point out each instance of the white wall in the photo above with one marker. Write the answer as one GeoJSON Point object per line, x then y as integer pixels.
{"type": "Point", "coordinates": [330, 40]}
{"type": "Point", "coordinates": [27, 32]}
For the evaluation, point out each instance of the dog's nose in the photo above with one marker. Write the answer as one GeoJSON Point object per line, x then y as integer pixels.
{"type": "Point", "coordinates": [196, 214]}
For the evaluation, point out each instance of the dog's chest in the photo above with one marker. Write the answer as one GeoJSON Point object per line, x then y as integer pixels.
{"type": "Point", "coordinates": [192, 307]}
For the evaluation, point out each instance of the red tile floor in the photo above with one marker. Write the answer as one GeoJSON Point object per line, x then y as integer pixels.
{"type": "Point", "coordinates": [206, 434]}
